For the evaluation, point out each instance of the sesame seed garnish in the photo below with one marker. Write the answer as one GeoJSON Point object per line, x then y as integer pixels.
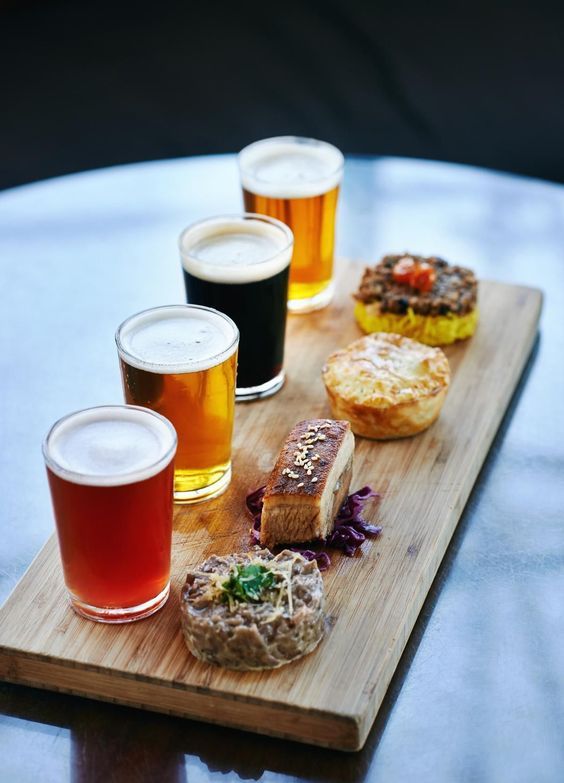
{"type": "Point", "coordinates": [314, 479]}
{"type": "Point", "coordinates": [301, 484]}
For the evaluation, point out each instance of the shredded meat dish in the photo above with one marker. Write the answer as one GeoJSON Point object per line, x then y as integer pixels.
{"type": "Point", "coordinates": [454, 291]}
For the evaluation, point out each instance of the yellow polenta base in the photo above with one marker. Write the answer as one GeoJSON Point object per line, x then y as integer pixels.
{"type": "Point", "coordinates": [428, 329]}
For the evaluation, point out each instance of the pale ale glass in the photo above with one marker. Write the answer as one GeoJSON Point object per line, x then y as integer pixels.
{"type": "Point", "coordinates": [239, 264]}
{"type": "Point", "coordinates": [181, 361]}
{"type": "Point", "coordinates": [297, 181]}
{"type": "Point", "coordinates": [110, 472]}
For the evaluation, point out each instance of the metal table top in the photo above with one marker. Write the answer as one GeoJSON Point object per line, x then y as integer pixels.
{"type": "Point", "coordinates": [479, 692]}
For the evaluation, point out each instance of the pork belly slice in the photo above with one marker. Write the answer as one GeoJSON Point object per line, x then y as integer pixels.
{"type": "Point", "coordinates": [309, 483]}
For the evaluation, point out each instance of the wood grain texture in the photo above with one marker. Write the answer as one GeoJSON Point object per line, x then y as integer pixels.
{"type": "Point", "coordinates": [331, 697]}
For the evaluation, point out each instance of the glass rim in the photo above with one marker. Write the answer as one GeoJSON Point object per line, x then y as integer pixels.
{"type": "Point", "coordinates": [240, 216]}
{"type": "Point", "coordinates": [178, 368]}
{"type": "Point", "coordinates": [110, 479]}
{"type": "Point", "coordinates": [297, 140]}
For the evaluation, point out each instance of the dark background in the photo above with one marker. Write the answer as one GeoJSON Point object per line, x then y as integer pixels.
{"type": "Point", "coordinates": [90, 83]}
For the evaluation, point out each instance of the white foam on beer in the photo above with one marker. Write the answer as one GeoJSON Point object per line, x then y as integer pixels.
{"type": "Point", "coordinates": [177, 339]}
{"type": "Point", "coordinates": [288, 168]}
{"type": "Point", "coordinates": [110, 446]}
{"type": "Point", "coordinates": [231, 250]}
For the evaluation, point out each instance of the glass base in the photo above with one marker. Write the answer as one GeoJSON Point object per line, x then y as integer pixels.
{"type": "Point", "coordinates": [205, 493]}
{"type": "Point", "coordinates": [267, 389]}
{"type": "Point", "coordinates": [103, 614]}
{"type": "Point", "coordinates": [311, 303]}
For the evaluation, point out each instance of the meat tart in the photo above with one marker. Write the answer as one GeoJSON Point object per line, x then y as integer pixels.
{"type": "Point", "coordinates": [309, 482]}
{"type": "Point", "coordinates": [253, 610]}
{"type": "Point", "coordinates": [424, 298]}
{"type": "Point", "coordinates": [387, 385]}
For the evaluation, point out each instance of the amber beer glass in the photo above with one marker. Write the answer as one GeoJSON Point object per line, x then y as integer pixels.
{"type": "Point", "coordinates": [297, 181]}
{"type": "Point", "coordinates": [239, 265]}
{"type": "Point", "coordinates": [181, 361]}
{"type": "Point", "coordinates": [110, 472]}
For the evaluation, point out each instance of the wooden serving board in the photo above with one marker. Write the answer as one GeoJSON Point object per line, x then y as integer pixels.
{"type": "Point", "coordinates": [331, 697]}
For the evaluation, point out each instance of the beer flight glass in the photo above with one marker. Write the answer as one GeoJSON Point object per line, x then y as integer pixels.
{"type": "Point", "coordinates": [181, 361]}
{"type": "Point", "coordinates": [297, 181]}
{"type": "Point", "coordinates": [110, 472]}
{"type": "Point", "coordinates": [239, 265]}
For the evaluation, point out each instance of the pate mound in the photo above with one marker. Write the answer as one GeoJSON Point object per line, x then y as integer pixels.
{"type": "Point", "coordinates": [387, 385]}
{"type": "Point", "coordinates": [263, 634]}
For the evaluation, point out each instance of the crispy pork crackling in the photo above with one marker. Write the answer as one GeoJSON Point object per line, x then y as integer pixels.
{"type": "Point", "coordinates": [253, 610]}
{"type": "Point", "coordinates": [309, 482]}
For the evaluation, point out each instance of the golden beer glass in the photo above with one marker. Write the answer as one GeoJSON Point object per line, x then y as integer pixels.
{"type": "Point", "coordinates": [297, 181]}
{"type": "Point", "coordinates": [181, 361]}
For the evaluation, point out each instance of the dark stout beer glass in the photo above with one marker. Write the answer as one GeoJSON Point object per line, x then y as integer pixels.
{"type": "Point", "coordinates": [110, 472]}
{"type": "Point", "coordinates": [239, 265]}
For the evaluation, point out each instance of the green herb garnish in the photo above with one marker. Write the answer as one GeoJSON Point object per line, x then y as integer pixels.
{"type": "Point", "coordinates": [247, 583]}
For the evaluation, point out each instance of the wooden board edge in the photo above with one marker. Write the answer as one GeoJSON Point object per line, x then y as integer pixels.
{"type": "Point", "coordinates": [312, 727]}
{"type": "Point", "coordinates": [516, 286]}
{"type": "Point", "coordinates": [368, 709]}
{"type": "Point", "coordinates": [43, 552]}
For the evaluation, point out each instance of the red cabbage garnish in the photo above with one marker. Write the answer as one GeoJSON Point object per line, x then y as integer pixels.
{"type": "Point", "coordinates": [323, 559]}
{"type": "Point", "coordinates": [349, 533]}
{"type": "Point", "coordinates": [254, 507]}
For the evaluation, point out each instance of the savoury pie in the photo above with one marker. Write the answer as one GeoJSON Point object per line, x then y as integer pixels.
{"type": "Point", "coordinates": [387, 385]}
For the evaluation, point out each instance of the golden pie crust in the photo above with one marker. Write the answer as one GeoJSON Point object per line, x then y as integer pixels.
{"type": "Point", "coordinates": [387, 385]}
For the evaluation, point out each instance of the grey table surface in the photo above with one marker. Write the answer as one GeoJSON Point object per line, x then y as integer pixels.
{"type": "Point", "coordinates": [479, 692]}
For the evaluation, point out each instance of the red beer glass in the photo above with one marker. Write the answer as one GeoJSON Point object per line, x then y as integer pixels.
{"type": "Point", "coordinates": [111, 472]}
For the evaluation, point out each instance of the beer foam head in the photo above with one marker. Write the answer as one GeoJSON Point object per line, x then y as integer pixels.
{"type": "Point", "coordinates": [177, 339]}
{"type": "Point", "coordinates": [111, 445]}
{"type": "Point", "coordinates": [236, 249]}
{"type": "Point", "coordinates": [290, 167]}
